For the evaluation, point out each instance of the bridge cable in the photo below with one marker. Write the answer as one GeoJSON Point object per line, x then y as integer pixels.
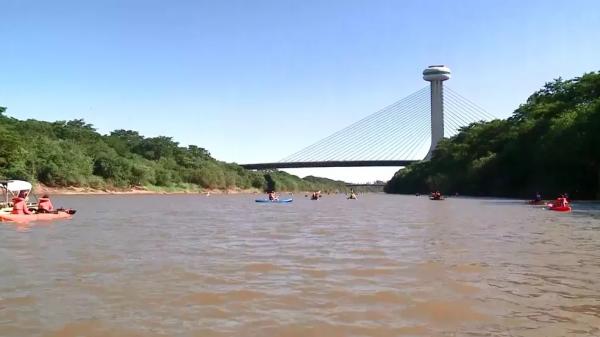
{"type": "Point", "coordinates": [463, 120]}
{"type": "Point", "coordinates": [422, 140]}
{"type": "Point", "coordinates": [322, 146]}
{"type": "Point", "coordinates": [414, 139]}
{"type": "Point", "coordinates": [456, 109]}
{"type": "Point", "coordinates": [470, 106]}
{"type": "Point", "coordinates": [366, 120]}
{"type": "Point", "coordinates": [359, 127]}
{"type": "Point", "coordinates": [402, 122]}
{"type": "Point", "coordinates": [374, 129]}
{"type": "Point", "coordinates": [470, 103]}
{"type": "Point", "coordinates": [409, 136]}
{"type": "Point", "coordinates": [378, 148]}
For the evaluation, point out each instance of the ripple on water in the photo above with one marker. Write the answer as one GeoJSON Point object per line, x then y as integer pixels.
{"type": "Point", "coordinates": [315, 273]}
{"type": "Point", "coordinates": [371, 272]}
{"type": "Point", "coordinates": [11, 302]}
{"type": "Point", "coordinates": [463, 288]}
{"type": "Point", "coordinates": [444, 312]}
{"type": "Point", "coordinates": [367, 251]}
{"type": "Point", "coordinates": [261, 267]}
{"type": "Point", "coordinates": [223, 267]}
{"type": "Point", "coordinates": [323, 328]}
{"type": "Point", "coordinates": [94, 328]}
{"type": "Point", "coordinates": [214, 298]}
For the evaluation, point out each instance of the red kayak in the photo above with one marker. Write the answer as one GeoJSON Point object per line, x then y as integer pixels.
{"type": "Point", "coordinates": [66, 214]}
{"type": "Point", "coordinates": [559, 208]}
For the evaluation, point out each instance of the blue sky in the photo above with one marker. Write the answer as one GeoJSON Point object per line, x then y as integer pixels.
{"type": "Point", "coordinates": [256, 81]}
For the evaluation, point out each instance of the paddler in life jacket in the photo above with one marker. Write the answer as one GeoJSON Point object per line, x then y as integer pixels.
{"type": "Point", "coordinates": [436, 195]}
{"type": "Point", "coordinates": [561, 201]}
{"type": "Point", "coordinates": [20, 204]}
{"type": "Point", "coordinates": [45, 205]}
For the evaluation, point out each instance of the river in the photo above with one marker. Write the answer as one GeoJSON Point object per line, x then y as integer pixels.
{"type": "Point", "coordinates": [383, 265]}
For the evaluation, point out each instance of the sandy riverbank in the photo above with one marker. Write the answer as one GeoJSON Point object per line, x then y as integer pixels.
{"type": "Point", "coordinates": [72, 190]}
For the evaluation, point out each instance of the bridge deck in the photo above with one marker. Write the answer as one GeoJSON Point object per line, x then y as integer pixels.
{"type": "Point", "coordinates": [352, 163]}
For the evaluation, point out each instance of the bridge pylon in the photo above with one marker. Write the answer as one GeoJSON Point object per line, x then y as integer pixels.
{"type": "Point", "coordinates": [436, 75]}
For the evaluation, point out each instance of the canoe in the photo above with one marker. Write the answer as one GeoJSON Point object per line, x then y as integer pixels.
{"type": "Point", "coordinates": [281, 201]}
{"type": "Point", "coordinates": [35, 217]}
{"type": "Point", "coordinates": [551, 207]}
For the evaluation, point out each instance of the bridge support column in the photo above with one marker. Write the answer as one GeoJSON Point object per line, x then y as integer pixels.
{"type": "Point", "coordinates": [436, 75]}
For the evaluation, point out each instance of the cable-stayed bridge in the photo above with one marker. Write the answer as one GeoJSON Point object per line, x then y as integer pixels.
{"type": "Point", "coordinates": [404, 132]}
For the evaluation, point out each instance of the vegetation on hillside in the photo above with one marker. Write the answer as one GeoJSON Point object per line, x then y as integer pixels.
{"type": "Point", "coordinates": [551, 144]}
{"type": "Point", "coordinates": [72, 153]}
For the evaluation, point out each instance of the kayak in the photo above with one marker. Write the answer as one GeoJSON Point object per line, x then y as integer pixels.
{"type": "Point", "coordinates": [437, 199]}
{"type": "Point", "coordinates": [551, 207]}
{"type": "Point", "coordinates": [36, 217]}
{"type": "Point", "coordinates": [281, 201]}
{"type": "Point", "coordinates": [536, 202]}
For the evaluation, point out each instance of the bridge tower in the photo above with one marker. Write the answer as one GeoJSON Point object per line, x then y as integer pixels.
{"type": "Point", "coordinates": [436, 75]}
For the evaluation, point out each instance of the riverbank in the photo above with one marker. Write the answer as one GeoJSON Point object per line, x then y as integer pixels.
{"type": "Point", "coordinates": [72, 190]}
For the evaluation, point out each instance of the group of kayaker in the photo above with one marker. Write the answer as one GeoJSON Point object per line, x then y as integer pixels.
{"type": "Point", "coordinates": [20, 204]}
{"type": "Point", "coordinates": [435, 195]}
{"type": "Point", "coordinates": [561, 199]}
{"type": "Point", "coordinates": [561, 203]}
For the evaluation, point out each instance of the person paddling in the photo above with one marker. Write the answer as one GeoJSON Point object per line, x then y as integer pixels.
{"type": "Point", "coordinates": [561, 201]}
{"type": "Point", "coordinates": [45, 205]}
{"type": "Point", "coordinates": [20, 204]}
{"type": "Point", "coordinates": [272, 196]}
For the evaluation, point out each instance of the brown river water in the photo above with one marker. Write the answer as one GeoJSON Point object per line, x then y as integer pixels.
{"type": "Point", "coordinates": [383, 265]}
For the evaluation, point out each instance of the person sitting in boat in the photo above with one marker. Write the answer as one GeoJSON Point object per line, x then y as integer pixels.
{"type": "Point", "coordinates": [20, 204]}
{"type": "Point", "coordinates": [436, 195]}
{"type": "Point", "coordinates": [561, 201]}
{"type": "Point", "coordinates": [45, 205]}
{"type": "Point", "coordinates": [273, 196]}
{"type": "Point", "coordinates": [538, 197]}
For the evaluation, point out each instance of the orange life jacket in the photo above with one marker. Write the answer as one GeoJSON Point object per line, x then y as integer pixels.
{"type": "Point", "coordinates": [19, 206]}
{"type": "Point", "coordinates": [45, 204]}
